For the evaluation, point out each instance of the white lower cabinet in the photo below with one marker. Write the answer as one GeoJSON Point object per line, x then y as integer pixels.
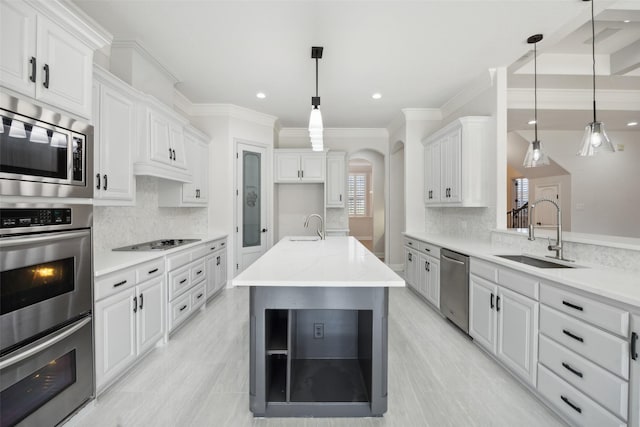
{"type": "Point", "coordinates": [411, 272]}
{"type": "Point", "coordinates": [429, 278]}
{"type": "Point", "coordinates": [128, 323]}
{"type": "Point", "coordinates": [634, 386]}
{"type": "Point", "coordinates": [482, 317]}
{"type": "Point", "coordinates": [216, 265]}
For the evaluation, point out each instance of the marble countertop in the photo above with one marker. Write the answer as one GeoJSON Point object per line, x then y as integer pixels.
{"type": "Point", "coordinates": [334, 262]}
{"type": "Point", "coordinates": [617, 285]}
{"type": "Point", "coordinates": [106, 262]}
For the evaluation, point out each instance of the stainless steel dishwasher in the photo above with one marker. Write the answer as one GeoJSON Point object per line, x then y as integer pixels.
{"type": "Point", "coordinates": [454, 288]}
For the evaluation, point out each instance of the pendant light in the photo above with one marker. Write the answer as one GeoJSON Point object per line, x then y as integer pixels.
{"type": "Point", "coordinates": [315, 119]}
{"type": "Point", "coordinates": [535, 155]}
{"type": "Point", "coordinates": [595, 137]}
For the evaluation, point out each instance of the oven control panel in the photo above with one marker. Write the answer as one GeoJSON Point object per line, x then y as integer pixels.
{"type": "Point", "coordinates": [13, 218]}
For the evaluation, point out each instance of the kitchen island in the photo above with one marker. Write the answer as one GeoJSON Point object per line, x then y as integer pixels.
{"type": "Point", "coordinates": [318, 329]}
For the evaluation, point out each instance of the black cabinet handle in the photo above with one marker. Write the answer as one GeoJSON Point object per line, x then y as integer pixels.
{"type": "Point", "coordinates": [217, 260]}
{"type": "Point", "coordinates": [634, 343]}
{"type": "Point", "coordinates": [119, 283]}
{"type": "Point", "coordinates": [141, 301]}
{"type": "Point", "coordinates": [46, 76]}
{"type": "Point", "coordinates": [301, 174]}
{"type": "Point", "coordinates": [497, 303]}
{"type": "Point", "coordinates": [98, 179]}
{"type": "Point", "coordinates": [152, 271]}
{"type": "Point", "coordinates": [105, 181]}
{"type": "Point", "coordinates": [572, 370]}
{"type": "Point", "coordinates": [135, 304]}
{"type": "Point", "coordinates": [182, 281]}
{"type": "Point", "coordinates": [264, 230]}
{"type": "Point", "coordinates": [199, 272]}
{"type": "Point", "coordinates": [492, 305]}
{"type": "Point", "coordinates": [574, 336]}
{"type": "Point", "coordinates": [199, 296]}
{"type": "Point", "coordinates": [341, 197]}
{"type": "Point", "coordinates": [170, 154]}
{"type": "Point", "coordinates": [426, 265]}
{"type": "Point", "coordinates": [575, 307]}
{"type": "Point", "coordinates": [174, 154]}
{"type": "Point", "coordinates": [32, 77]}
{"type": "Point", "coordinates": [213, 248]}
{"type": "Point", "coordinates": [183, 307]}
{"type": "Point", "coordinates": [410, 243]}
{"type": "Point", "coordinates": [427, 250]}
{"type": "Point", "coordinates": [298, 174]}
{"type": "Point", "coordinates": [568, 402]}
{"type": "Point", "coordinates": [410, 257]}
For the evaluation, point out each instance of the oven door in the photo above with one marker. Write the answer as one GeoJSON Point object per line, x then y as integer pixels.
{"type": "Point", "coordinates": [45, 281]}
{"type": "Point", "coordinates": [44, 382]}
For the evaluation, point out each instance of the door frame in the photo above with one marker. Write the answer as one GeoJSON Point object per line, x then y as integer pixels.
{"type": "Point", "coordinates": [268, 197]}
{"type": "Point", "coordinates": [539, 188]}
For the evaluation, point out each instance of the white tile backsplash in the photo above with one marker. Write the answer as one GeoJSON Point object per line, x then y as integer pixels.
{"type": "Point", "coordinates": [120, 226]}
{"type": "Point", "coordinates": [475, 223]}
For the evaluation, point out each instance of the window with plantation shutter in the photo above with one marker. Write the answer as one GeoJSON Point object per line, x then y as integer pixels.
{"type": "Point", "coordinates": [357, 194]}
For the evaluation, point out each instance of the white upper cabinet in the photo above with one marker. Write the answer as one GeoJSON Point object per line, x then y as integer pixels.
{"type": "Point", "coordinates": [47, 60]}
{"type": "Point", "coordinates": [336, 182]}
{"type": "Point", "coordinates": [299, 166]}
{"type": "Point", "coordinates": [196, 192]}
{"type": "Point", "coordinates": [161, 148]}
{"type": "Point", "coordinates": [114, 138]}
{"type": "Point", "coordinates": [456, 162]}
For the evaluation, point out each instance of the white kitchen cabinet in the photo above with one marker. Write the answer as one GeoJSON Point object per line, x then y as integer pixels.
{"type": "Point", "coordinates": [634, 377]}
{"type": "Point", "coordinates": [161, 147]}
{"type": "Point", "coordinates": [115, 126]}
{"type": "Point", "coordinates": [455, 164]}
{"type": "Point", "coordinates": [482, 314]}
{"type": "Point", "coordinates": [411, 268]}
{"type": "Point", "coordinates": [299, 166]}
{"type": "Point", "coordinates": [336, 182]}
{"type": "Point", "coordinates": [196, 192]}
{"type": "Point", "coordinates": [429, 278]}
{"type": "Point", "coordinates": [43, 60]}
{"type": "Point", "coordinates": [150, 322]}
{"type": "Point", "coordinates": [216, 265]}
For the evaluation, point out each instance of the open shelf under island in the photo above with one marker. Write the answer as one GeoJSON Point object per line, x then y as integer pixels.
{"type": "Point", "coordinates": [318, 329]}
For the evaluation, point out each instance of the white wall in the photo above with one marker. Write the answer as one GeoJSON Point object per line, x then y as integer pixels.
{"type": "Point", "coordinates": [604, 188]}
{"type": "Point", "coordinates": [120, 226]}
{"type": "Point", "coordinates": [294, 202]}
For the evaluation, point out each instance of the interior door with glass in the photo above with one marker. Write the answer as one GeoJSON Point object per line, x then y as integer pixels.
{"type": "Point", "coordinates": [251, 203]}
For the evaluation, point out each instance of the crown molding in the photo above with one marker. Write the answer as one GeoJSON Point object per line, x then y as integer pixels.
{"type": "Point", "coordinates": [139, 48]}
{"type": "Point", "coordinates": [336, 133]}
{"type": "Point", "coordinates": [473, 89]}
{"type": "Point", "coordinates": [411, 114]}
{"type": "Point", "coordinates": [574, 99]}
{"type": "Point", "coordinates": [222, 110]}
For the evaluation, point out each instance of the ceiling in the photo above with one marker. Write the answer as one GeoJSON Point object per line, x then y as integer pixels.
{"type": "Point", "coordinates": [417, 54]}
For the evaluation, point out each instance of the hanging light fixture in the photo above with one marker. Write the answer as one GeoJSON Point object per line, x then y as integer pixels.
{"type": "Point", "coordinates": [535, 155]}
{"type": "Point", "coordinates": [315, 119]}
{"type": "Point", "coordinates": [595, 137]}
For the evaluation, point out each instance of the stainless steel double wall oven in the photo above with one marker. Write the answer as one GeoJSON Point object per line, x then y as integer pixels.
{"type": "Point", "coordinates": [46, 271]}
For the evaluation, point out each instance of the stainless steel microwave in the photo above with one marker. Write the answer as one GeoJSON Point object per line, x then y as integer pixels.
{"type": "Point", "coordinates": [43, 153]}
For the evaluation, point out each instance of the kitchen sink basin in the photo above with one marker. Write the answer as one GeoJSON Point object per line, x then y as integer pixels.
{"type": "Point", "coordinates": [536, 262]}
{"type": "Point", "coordinates": [304, 239]}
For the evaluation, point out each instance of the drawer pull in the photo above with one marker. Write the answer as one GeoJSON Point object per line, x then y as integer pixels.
{"type": "Point", "coordinates": [182, 281]}
{"type": "Point", "coordinates": [199, 272]}
{"type": "Point", "coordinates": [492, 300]}
{"type": "Point", "coordinates": [570, 369]}
{"type": "Point", "coordinates": [575, 307]}
{"type": "Point", "coordinates": [574, 336]}
{"type": "Point", "coordinates": [152, 271]}
{"type": "Point", "coordinates": [183, 307]}
{"type": "Point", "coordinates": [199, 296]}
{"type": "Point", "coordinates": [212, 248]}
{"type": "Point", "coordinates": [568, 402]}
{"type": "Point", "coordinates": [119, 283]}
{"type": "Point", "coordinates": [135, 304]}
{"type": "Point", "coordinates": [497, 303]}
{"type": "Point", "coordinates": [427, 250]}
{"type": "Point", "coordinates": [410, 243]}
{"type": "Point", "coordinates": [634, 343]}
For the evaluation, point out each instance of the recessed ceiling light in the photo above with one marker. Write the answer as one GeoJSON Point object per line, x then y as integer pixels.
{"type": "Point", "coordinates": [376, 95]}
{"type": "Point", "coordinates": [261, 95]}
{"type": "Point", "coordinates": [532, 122]}
{"type": "Point", "coordinates": [632, 124]}
{"type": "Point", "coordinates": [626, 21]}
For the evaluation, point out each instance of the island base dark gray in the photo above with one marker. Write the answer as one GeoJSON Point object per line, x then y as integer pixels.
{"type": "Point", "coordinates": [318, 351]}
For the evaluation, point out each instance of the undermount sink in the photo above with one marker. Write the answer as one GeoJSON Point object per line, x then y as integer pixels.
{"type": "Point", "coordinates": [536, 262]}
{"type": "Point", "coordinates": [304, 239]}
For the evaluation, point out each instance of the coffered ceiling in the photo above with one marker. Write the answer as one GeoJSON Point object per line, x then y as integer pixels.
{"type": "Point", "coordinates": [416, 54]}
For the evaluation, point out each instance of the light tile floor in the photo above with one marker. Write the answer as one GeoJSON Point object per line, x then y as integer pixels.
{"type": "Point", "coordinates": [437, 377]}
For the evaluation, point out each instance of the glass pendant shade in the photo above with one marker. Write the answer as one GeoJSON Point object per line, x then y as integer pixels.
{"type": "Point", "coordinates": [535, 156]}
{"type": "Point", "coordinates": [39, 135]}
{"type": "Point", "coordinates": [315, 119]}
{"type": "Point", "coordinates": [17, 129]}
{"type": "Point", "coordinates": [595, 139]}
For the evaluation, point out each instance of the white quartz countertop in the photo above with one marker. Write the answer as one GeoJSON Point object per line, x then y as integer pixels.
{"type": "Point", "coordinates": [617, 285]}
{"type": "Point", "coordinates": [334, 262]}
{"type": "Point", "coordinates": [106, 262]}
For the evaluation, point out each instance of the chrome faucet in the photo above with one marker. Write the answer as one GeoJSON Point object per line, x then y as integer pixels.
{"type": "Point", "coordinates": [558, 246]}
{"type": "Point", "coordinates": [320, 230]}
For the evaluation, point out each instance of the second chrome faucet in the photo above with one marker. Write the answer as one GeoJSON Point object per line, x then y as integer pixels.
{"type": "Point", "coordinates": [558, 247]}
{"type": "Point", "coordinates": [319, 231]}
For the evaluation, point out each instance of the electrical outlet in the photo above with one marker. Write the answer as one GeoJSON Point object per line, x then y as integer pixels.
{"type": "Point", "coordinates": [318, 330]}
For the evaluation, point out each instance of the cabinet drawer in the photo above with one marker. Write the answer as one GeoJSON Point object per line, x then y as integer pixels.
{"type": "Point", "coordinates": [114, 283]}
{"type": "Point", "coordinates": [430, 249]}
{"type": "Point", "coordinates": [180, 310]}
{"type": "Point", "coordinates": [198, 296]}
{"type": "Point", "coordinates": [610, 318]}
{"type": "Point", "coordinates": [604, 387]}
{"type": "Point", "coordinates": [606, 350]}
{"type": "Point", "coordinates": [197, 271]}
{"type": "Point", "coordinates": [200, 251]}
{"type": "Point", "coordinates": [150, 270]}
{"type": "Point", "coordinates": [412, 243]}
{"type": "Point", "coordinates": [178, 260]}
{"type": "Point", "coordinates": [484, 269]}
{"type": "Point", "coordinates": [179, 281]}
{"type": "Point", "coordinates": [573, 404]}
{"type": "Point", "coordinates": [519, 282]}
